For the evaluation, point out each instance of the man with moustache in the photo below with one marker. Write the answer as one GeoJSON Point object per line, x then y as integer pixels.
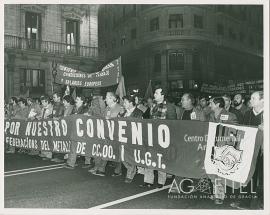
{"type": "Point", "coordinates": [239, 105]}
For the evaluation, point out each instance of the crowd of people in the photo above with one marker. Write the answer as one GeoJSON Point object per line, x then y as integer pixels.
{"type": "Point", "coordinates": [221, 109]}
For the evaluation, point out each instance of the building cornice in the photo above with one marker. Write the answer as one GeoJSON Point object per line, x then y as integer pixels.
{"type": "Point", "coordinates": [34, 8]}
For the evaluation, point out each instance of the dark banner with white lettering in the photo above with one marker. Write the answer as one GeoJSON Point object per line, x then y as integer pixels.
{"type": "Point", "coordinates": [108, 76]}
{"type": "Point", "coordinates": [184, 148]}
{"type": "Point", "coordinates": [245, 87]}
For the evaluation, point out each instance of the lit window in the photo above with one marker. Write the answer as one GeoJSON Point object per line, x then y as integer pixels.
{"type": "Point", "coordinates": [33, 79]}
{"type": "Point", "coordinates": [32, 29]}
{"type": "Point", "coordinates": [72, 34]}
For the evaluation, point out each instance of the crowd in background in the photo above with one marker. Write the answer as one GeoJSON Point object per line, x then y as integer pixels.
{"type": "Point", "coordinates": [226, 109]}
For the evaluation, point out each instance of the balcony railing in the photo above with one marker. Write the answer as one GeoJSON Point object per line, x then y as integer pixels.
{"type": "Point", "coordinates": [50, 47]}
{"type": "Point", "coordinates": [200, 34]}
{"type": "Point", "coordinates": [176, 34]}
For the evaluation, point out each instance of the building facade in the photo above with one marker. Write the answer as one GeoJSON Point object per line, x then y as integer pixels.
{"type": "Point", "coordinates": [182, 46]}
{"type": "Point", "coordinates": [37, 35]}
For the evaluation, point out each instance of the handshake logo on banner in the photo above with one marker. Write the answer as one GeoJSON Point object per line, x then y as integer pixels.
{"type": "Point", "coordinates": [226, 153]}
{"type": "Point", "coordinates": [227, 159]}
{"type": "Point", "coordinates": [230, 151]}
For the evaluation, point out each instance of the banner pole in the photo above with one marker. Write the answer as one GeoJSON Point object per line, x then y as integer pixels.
{"type": "Point", "coordinates": [54, 73]}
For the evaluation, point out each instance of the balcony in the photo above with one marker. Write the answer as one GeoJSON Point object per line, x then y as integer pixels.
{"type": "Point", "coordinates": [175, 34]}
{"type": "Point", "coordinates": [14, 42]}
{"type": "Point", "coordinates": [198, 34]}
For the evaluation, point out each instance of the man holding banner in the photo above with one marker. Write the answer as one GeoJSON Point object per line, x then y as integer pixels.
{"type": "Point", "coordinates": [220, 115]}
{"type": "Point", "coordinates": [78, 109]}
{"type": "Point", "coordinates": [112, 110]}
{"type": "Point", "coordinates": [161, 110]}
{"type": "Point", "coordinates": [97, 109]}
{"type": "Point", "coordinates": [47, 111]}
{"type": "Point", "coordinates": [58, 111]}
{"type": "Point", "coordinates": [131, 111]}
{"type": "Point", "coordinates": [254, 117]}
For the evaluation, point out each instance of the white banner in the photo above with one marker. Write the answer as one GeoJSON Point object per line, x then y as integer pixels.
{"type": "Point", "coordinates": [229, 151]}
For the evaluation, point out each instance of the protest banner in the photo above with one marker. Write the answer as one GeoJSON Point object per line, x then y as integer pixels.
{"type": "Point", "coordinates": [230, 151]}
{"type": "Point", "coordinates": [245, 87]}
{"type": "Point", "coordinates": [108, 76]}
{"type": "Point", "coordinates": [182, 148]}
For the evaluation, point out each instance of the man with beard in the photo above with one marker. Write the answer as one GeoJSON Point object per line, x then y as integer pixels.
{"type": "Point", "coordinates": [229, 108]}
{"type": "Point", "coordinates": [239, 105]}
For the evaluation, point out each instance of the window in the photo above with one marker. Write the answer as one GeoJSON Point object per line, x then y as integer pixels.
{"type": "Point", "coordinates": [220, 29]}
{"type": "Point", "coordinates": [33, 79]}
{"type": "Point", "coordinates": [176, 21]}
{"type": "Point", "coordinates": [72, 34]}
{"type": "Point", "coordinates": [133, 33]}
{"type": "Point", "coordinates": [157, 63]}
{"type": "Point", "coordinates": [32, 29]}
{"type": "Point", "coordinates": [154, 24]}
{"type": "Point", "coordinates": [196, 63]}
{"type": "Point", "coordinates": [198, 21]}
{"type": "Point", "coordinates": [176, 61]}
{"type": "Point", "coordinates": [176, 84]}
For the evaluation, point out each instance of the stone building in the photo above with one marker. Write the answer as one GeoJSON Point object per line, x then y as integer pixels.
{"type": "Point", "coordinates": [37, 35]}
{"type": "Point", "coordinates": [182, 46]}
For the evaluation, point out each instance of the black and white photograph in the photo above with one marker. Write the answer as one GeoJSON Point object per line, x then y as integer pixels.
{"type": "Point", "coordinates": [135, 105]}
